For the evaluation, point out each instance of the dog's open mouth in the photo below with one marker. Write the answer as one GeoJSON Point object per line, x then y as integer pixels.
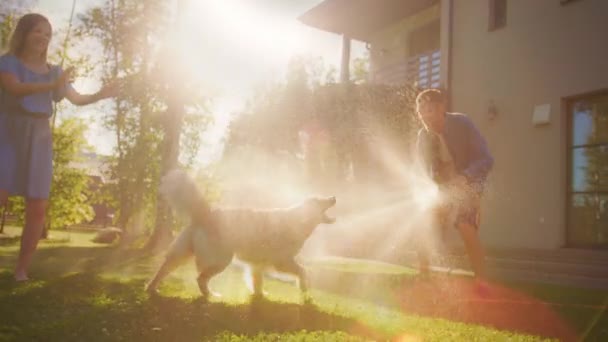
{"type": "Point", "coordinates": [329, 203]}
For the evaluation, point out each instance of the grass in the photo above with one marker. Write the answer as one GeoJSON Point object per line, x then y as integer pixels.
{"type": "Point", "coordinates": [82, 291]}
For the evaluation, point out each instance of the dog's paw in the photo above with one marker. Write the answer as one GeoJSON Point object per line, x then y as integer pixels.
{"type": "Point", "coordinates": [213, 294]}
{"type": "Point", "coordinates": [208, 295]}
{"type": "Point", "coordinates": [151, 290]}
{"type": "Point", "coordinates": [203, 300]}
{"type": "Point", "coordinates": [307, 300]}
{"type": "Point", "coordinates": [257, 298]}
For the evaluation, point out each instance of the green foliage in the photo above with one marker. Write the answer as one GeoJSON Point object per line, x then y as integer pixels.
{"type": "Point", "coordinates": [298, 336]}
{"type": "Point", "coordinates": [9, 14]}
{"type": "Point", "coordinates": [7, 21]}
{"type": "Point", "coordinates": [120, 28]}
{"type": "Point", "coordinates": [69, 199]}
{"type": "Point", "coordinates": [363, 120]}
{"type": "Point", "coordinates": [273, 119]}
{"type": "Point", "coordinates": [153, 111]}
{"type": "Point", "coordinates": [347, 125]}
{"type": "Point", "coordinates": [90, 293]}
{"type": "Point", "coordinates": [360, 69]}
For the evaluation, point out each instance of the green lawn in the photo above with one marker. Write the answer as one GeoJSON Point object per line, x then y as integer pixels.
{"type": "Point", "coordinates": [85, 292]}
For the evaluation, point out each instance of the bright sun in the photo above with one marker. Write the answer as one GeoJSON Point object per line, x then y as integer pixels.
{"type": "Point", "coordinates": [248, 28]}
{"type": "Point", "coordinates": [228, 46]}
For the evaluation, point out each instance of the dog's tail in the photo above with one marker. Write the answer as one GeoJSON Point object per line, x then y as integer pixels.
{"type": "Point", "coordinates": [182, 193]}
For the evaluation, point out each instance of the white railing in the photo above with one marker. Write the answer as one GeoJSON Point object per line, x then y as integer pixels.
{"type": "Point", "coordinates": [421, 70]}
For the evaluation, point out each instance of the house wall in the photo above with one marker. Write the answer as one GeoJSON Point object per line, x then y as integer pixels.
{"type": "Point", "coordinates": [546, 52]}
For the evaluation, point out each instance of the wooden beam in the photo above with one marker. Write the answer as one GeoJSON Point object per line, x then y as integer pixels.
{"type": "Point", "coordinates": [445, 42]}
{"type": "Point", "coordinates": [345, 67]}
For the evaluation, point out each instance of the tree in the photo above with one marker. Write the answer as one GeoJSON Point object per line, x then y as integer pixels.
{"type": "Point", "coordinates": [151, 112]}
{"type": "Point", "coordinates": [122, 29]}
{"type": "Point", "coordinates": [360, 69]}
{"type": "Point", "coordinates": [337, 129]}
{"type": "Point", "coordinates": [70, 194]}
{"type": "Point", "coordinates": [276, 114]}
{"type": "Point", "coordinates": [9, 14]}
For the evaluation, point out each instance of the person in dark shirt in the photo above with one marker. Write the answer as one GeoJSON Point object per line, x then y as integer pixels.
{"type": "Point", "coordinates": [457, 158]}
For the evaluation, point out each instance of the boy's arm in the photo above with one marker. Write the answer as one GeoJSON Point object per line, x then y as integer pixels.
{"type": "Point", "coordinates": [420, 155]}
{"type": "Point", "coordinates": [482, 161]}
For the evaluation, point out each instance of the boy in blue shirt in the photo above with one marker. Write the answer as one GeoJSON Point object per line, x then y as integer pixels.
{"type": "Point", "coordinates": [458, 160]}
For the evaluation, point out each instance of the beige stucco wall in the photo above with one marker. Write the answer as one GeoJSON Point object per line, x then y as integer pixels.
{"type": "Point", "coordinates": [546, 52]}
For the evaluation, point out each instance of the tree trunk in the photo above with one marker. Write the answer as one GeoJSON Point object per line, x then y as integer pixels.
{"type": "Point", "coordinates": [162, 234]}
{"type": "Point", "coordinates": [45, 229]}
{"type": "Point", "coordinates": [3, 219]}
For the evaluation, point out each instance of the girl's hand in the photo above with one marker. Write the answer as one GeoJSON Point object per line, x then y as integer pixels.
{"type": "Point", "coordinates": [109, 90]}
{"type": "Point", "coordinates": [65, 77]}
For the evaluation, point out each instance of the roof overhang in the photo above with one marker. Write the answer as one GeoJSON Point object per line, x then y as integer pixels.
{"type": "Point", "coordinates": [359, 19]}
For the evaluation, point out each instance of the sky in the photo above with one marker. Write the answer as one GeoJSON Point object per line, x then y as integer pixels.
{"type": "Point", "coordinates": [235, 46]}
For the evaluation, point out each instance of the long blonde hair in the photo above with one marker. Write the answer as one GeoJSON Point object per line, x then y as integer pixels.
{"type": "Point", "coordinates": [25, 24]}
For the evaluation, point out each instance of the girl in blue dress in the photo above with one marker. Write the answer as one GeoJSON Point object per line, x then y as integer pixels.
{"type": "Point", "coordinates": [29, 85]}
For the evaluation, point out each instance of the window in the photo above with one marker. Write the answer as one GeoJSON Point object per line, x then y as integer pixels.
{"type": "Point", "coordinates": [423, 70]}
{"type": "Point", "coordinates": [424, 56]}
{"type": "Point", "coordinates": [498, 14]}
{"type": "Point", "coordinates": [588, 171]}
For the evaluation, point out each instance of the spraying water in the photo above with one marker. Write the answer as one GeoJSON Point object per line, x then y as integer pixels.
{"type": "Point", "coordinates": [376, 220]}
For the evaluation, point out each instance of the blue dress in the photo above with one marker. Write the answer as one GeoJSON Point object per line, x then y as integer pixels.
{"type": "Point", "coordinates": [26, 145]}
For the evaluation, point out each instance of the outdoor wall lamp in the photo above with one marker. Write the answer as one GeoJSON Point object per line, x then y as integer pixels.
{"type": "Point", "coordinates": [492, 111]}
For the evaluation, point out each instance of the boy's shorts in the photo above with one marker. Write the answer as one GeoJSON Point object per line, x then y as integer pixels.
{"type": "Point", "coordinates": [460, 210]}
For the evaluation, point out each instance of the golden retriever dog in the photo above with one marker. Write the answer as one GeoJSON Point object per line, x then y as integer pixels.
{"type": "Point", "coordinates": [260, 238]}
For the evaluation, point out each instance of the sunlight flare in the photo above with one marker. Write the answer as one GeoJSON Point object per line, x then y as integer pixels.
{"type": "Point", "coordinates": [426, 194]}
{"type": "Point", "coordinates": [254, 29]}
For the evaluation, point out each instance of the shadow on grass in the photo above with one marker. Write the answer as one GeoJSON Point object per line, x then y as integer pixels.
{"type": "Point", "coordinates": [82, 305]}
{"type": "Point", "coordinates": [7, 240]}
{"type": "Point", "coordinates": [77, 301]}
{"type": "Point", "coordinates": [539, 310]}
{"type": "Point", "coordinates": [501, 307]}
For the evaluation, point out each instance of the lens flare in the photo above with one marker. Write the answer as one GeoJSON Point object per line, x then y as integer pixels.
{"type": "Point", "coordinates": [426, 194]}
